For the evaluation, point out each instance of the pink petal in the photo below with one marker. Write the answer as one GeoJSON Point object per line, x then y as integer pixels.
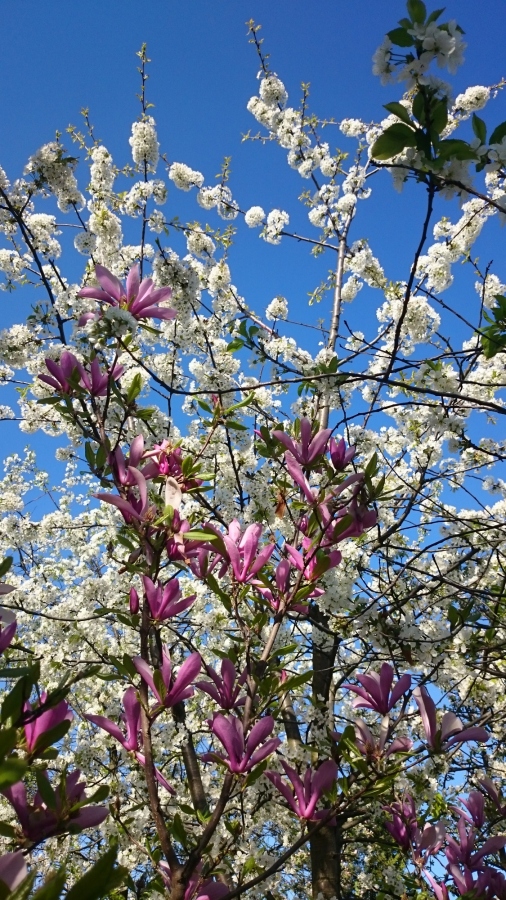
{"type": "Point", "coordinates": [108, 726]}
{"type": "Point", "coordinates": [319, 444]}
{"type": "Point", "coordinates": [146, 674]}
{"type": "Point", "coordinates": [109, 283]}
{"type": "Point", "coordinates": [95, 294]}
{"type": "Point", "coordinates": [132, 283]}
{"type": "Point", "coordinates": [427, 712]}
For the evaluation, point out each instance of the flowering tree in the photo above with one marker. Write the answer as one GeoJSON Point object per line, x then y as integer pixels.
{"type": "Point", "coordinates": [238, 559]}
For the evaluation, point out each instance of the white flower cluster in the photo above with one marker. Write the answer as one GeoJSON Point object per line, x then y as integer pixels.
{"type": "Point", "coordinates": [86, 243]}
{"type": "Point", "coordinates": [42, 228]}
{"type": "Point", "coordinates": [272, 91]}
{"type": "Point", "coordinates": [106, 226]}
{"type": "Point", "coordinates": [254, 217]}
{"type": "Point", "coordinates": [220, 197]}
{"type": "Point", "coordinates": [473, 99]}
{"type": "Point", "coordinates": [350, 288]}
{"type": "Point", "coordinates": [53, 170]}
{"type": "Point", "coordinates": [276, 222]}
{"type": "Point", "coordinates": [185, 178]}
{"type": "Point", "coordinates": [363, 263]}
{"type": "Point", "coordinates": [200, 244]}
{"type": "Point", "coordinates": [102, 172]}
{"type": "Point", "coordinates": [12, 265]}
{"type": "Point", "coordinates": [352, 127]}
{"type": "Point", "coordinates": [141, 192]}
{"type": "Point", "coordinates": [218, 278]}
{"type": "Point", "coordinates": [144, 144]}
{"type": "Point", "coordinates": [489, 288]}
{"type": "Point", "coordinates": [277, 309]}
{"type": "Point", "coordinates": [442, 44]}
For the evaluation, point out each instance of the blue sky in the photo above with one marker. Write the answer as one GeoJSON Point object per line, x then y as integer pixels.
{"type": "Point", "coordinates": [58, 57]}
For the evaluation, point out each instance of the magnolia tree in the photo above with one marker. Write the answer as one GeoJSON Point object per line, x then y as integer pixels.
{"type": "Point", "coordinates": [253, 648]}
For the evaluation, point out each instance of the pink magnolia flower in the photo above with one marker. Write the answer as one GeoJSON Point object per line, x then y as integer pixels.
{"type": "Point", "coordinates": [196, 889]}
{"type": "Point", "coordinates": [13, 869]}
{"type": "Point", "coordinates": [314, 561]}
{"type": "Point", "coordinates": [375, 748]}
{"type": "Point", "coordinates": [279, 593]}
{"type": "Point", "coordinates": [440, 889]}
{"type": "Point", "coordinates": [464, 853]}
{"type": "Point", "coordinates": [167, 460]}
{"type": "Point", "coordinates": [404, 824]}
{"type": "Point", "coordinates": [132, 715]}
{"type": "Point", "coordinates": [132, 506]}
{"type": "Point", "coordinates": [178, 547]}
{"type": "Point", "coordinates": [295, 470]}
{"type": "Point", "coordinates": [405, 831]}
{"type": "Point", "coordinates": [38, 721]}
{"type": "Point", "coordinates": [96, 381]}
{"type": "Point", "coordinates": [376, 691]}
{"type": "Point", "coordinates": [362, 519]}
{"type": "Point", "coordinates": [225, 690]}
{"type": "Point", "coordinates": [303, 796]}
{"type": "Point", "coordinates": [140, 299]}
{"type": "Point", "coordinates": [474, 811]}
{"type": "Point", "coordinates": [8, 623]}
{"type": "Point", "coordinates": [241, 550]}
{"type": "Point", "coordinates": [121, 466]}
{"type": "Point", "coordinates": [38, 821]}
{"type": "Point", "coordinates": [489, 884]}
{"type": "Point", "coordinates": [61, 375]}
{"type": "Point", "coordinates": [169, 692]}
{"type": "Point", "coordinates": [132, 740]}
{"type": "Point", "coordinates": [451, 731]}
{"type": "Point", "coordinates": [309, 448]}
{"type": "Point", "coordinates": [165, 602]}
{"type": "Point", "coordinates": [490, 788]}
{"type": "Point", "coordinates": [339, 455]}
{"type": "Point", "coordinates": [242, 754]}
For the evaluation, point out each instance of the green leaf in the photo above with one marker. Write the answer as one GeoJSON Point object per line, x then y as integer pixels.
{"type": "Point", "coordinates": [234, 345]}
{"type": "Point", "coordinates": [393, 141]}
{"type": "Point", "coordinates": [7, 741]}
{"type": "Point", "coordinates": [89, 454]}
{"type": "Point", "coordinates": [11, 771]}
{"type": "Point", "coordinates": [135, 388]}
{"type": "Point", "coordinates": [52, 887]}
{"type": "Point", "coordinates": [255, 773]}
{"type": "Point", "coordinates": [7, 831]}
{"type": "Point", "coordinates": [50, 737]}
{"type": "Point", "coordinates": [498, 134]}
{"type": "Point", "coordinates": [23, 891]}
{"type": "Point", "coordinates": [400, 111]}
{"type": "Point", "coordinates": [434, 16]}
{"type": "Point", "coordinates": [178, 830]}
{"type": "Point", "coordinates": [45, 789]}
{"type": "Point", "coordinates": [236, 426]}
{"type": "Point", "coordinates": [98, 796]}
{"type": "Point", "coordinates": [400, 37]}
{"type": "Point", "coordinates": [100, 880]}
{"type": "Point", "coordinates": [417, 11]}
{"type": "Point", "coordinates": [418, 107]}
{"type": "Point", "coordinates": [479, 128]}
{"type": "Point", "coordinates": [297, 681]}
{"type": "Point", "coordinates": [13, 703]}
{"type": "Point", "coordinates": [372, 466]}
{"type": "Point", "coordinates": [452, 148]}
{"type": "Point", "coordinates": [5, 566]}
{"type": "Point", "coordinates": [439, 116]}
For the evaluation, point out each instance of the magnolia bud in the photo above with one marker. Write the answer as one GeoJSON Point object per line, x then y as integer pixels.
{"type": "Point", "coordinates": [134, 601]}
